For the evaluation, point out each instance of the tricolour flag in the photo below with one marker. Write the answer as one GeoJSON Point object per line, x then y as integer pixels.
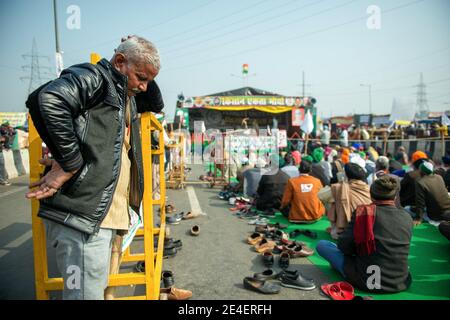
{"type": "Point", "coordinates": [245, 68]}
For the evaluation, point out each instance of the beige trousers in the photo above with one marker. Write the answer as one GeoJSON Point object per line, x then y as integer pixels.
{"type": "Point", "coordinates": [116, 259]}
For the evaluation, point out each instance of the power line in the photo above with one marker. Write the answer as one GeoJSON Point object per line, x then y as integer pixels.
{"type": "Point", "coordinates": [389, 80]}
{"type": "Point", "coordinates": [294, 38]}
{"type": "Point", "coordinates": [211, 22]}
{"type": "Point", "coordinates": [101, 44]}
{"type": "Point", "coordinates": [245, 27]}
{"type": "Point", "coordinates": [271, 29]}
{"type": "Point", "coordinates": [403, 62]}
{"type": "Point", "coordinates": [251, 25]}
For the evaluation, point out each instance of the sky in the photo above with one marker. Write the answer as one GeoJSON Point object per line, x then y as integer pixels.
{"type": "Point", "coordinates": [203, 44]}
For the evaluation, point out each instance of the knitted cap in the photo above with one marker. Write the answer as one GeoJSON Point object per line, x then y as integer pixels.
{"type": "Point", "coordinates": [384, 188]}
{"type": "Point", "coordinates": [354, 171]}
{"type": "Point", "coordinates": [426, 167]}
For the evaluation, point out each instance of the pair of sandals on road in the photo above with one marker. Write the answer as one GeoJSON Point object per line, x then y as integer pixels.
{"type": "Point", "coordinates": [308, 233]}
{"type": "Point", "coordinates": [341, 291]}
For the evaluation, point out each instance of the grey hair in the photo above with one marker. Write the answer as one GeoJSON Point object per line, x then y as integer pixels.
{"type": "Point", "coordinates": [138, 49]}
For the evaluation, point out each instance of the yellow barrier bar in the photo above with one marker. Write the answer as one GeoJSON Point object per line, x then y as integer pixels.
{"type": "Point", "coordinates": [39, 247]}
{"type": "Point", "coordinates": [147, 206]}
{"type": "Point", "coordinates": [137, 257]}
{"type": "Point", "coordinates": [132, 298]}
{"type": "Point", "coordinates": [95, 57]}
{"type": "Point", "coordinates": [161, 202]}
{"type": "Point", "coordinates": [116, 280]}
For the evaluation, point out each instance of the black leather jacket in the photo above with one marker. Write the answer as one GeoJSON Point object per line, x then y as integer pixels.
{"type": "Point", "coordinates": [80, 116]}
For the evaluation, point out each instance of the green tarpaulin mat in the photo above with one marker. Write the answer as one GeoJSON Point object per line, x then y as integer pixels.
{"type": "Point", "coordinates": [429, 261]}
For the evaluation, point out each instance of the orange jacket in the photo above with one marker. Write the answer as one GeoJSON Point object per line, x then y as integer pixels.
{"type": "Point", "coordinates": [301, 194]}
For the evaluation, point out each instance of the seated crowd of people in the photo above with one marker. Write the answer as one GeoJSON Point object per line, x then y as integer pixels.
{"type": "Point", "coordinates": [372, 201]}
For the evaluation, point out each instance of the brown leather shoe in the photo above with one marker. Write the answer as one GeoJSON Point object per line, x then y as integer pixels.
{"type": "Point", "coordinates": [254, 238]}
{"type": "Point", "coordinates": [190, 215]}
{"type": "Point", "coordinates": [301, 252]}
{"type": "Point", "coordinates": [195, 230]}
{"type": "Point", "coordinates": [265, 245]}
{"type": "Point", "coordinates": [175, 293]}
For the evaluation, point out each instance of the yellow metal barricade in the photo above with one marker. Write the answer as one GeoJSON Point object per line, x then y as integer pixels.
{"type": "Point", "coordinates": [177, 178]}
{"type": "Point", "coordinates": [153, 259]}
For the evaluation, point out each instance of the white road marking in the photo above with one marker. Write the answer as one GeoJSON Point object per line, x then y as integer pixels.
{"type": "Point", "coordinates": [16, 243]}
{"type": "Point", "coordinates": [7, 193]}
{"type": "Point", "coordinates": [195, 205]}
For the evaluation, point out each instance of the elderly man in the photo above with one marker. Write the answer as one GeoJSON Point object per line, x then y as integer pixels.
{"type": "Point", "coordinates": [88, 119]}
{"type": "Point", "coordinates": [379, 234]}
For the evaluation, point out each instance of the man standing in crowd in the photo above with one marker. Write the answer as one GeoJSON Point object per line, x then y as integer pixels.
{"type": "Point", "coordinates": [343, 137]}
{"type": "Point", "coordinates": [88, 119]}
{"type": "Point", "coordinates": [325, 136]}
{"type": "Point", "coordinates": [365, 136]}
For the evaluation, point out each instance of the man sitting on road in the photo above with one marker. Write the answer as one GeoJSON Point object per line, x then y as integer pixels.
{"type": "Point", "coordinates": [379, 234]}
{"type": "Point", "coordinates": [346, 197]}
{"type": "Point", "coordinates": [407, 189]}
{"type": "Point", "coordinates": [300, 201]}
{"type": "Point", "coordinates": [432, 198]}
{"type": "Point", "coordinates": [289, 168]}
{"type": "Point", "coordinates": [271, 186]}
{"type": "Point", "coordinates": [253, 176]}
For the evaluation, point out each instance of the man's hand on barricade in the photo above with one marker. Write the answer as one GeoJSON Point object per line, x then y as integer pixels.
{"type": "Point", "coordinates": [49, 184]}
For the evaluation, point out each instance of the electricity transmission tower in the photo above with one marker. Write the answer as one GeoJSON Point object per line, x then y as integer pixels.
{"type": "Point", "coordinates": [38, 73]}
{"type": "Point", "coordinates": [422, 103]}
{"type": "Point", "coordinates": [303, 84]}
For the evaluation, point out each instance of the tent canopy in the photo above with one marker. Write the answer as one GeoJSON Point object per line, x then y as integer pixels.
{"type": "Point", "coordinates": [244, 91]}
{"type": "Point", "coordinates": [248, 98]}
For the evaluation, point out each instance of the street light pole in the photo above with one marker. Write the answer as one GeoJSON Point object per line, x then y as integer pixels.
{"type": "Point", "coordinates": [56, 25]}
{"type": "Point", "coordinates": [58, 54]}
